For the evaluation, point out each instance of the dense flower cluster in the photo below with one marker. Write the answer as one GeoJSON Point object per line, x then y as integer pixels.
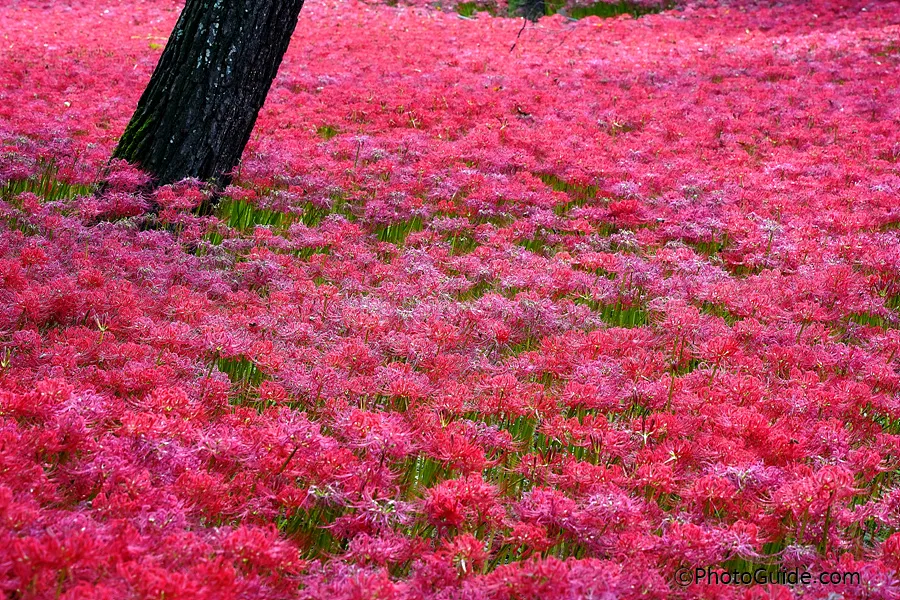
{"type": "Point", "coordinates": [471, 323]}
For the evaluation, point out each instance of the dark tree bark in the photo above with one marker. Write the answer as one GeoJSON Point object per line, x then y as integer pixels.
{"type": "Point", "coordinates": [533, 9]}
{"type": "Point", "coordinates": [196, 115]}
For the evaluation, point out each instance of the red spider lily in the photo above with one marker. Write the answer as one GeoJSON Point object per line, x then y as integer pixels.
{"type": "Point", "coordinates": [470, 323]}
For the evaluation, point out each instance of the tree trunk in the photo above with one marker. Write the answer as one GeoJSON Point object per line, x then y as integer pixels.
{"type": "Point", "coordinates": [196, 115]}
{"type": "Point", "coordinates": [533, 9]}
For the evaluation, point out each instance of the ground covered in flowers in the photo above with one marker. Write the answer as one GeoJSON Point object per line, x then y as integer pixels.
{"type": "Point", "coordinates": [473, 322]}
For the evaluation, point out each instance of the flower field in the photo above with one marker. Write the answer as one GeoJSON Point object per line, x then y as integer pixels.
{"type": "Point", "coordinates": [481, 317]}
